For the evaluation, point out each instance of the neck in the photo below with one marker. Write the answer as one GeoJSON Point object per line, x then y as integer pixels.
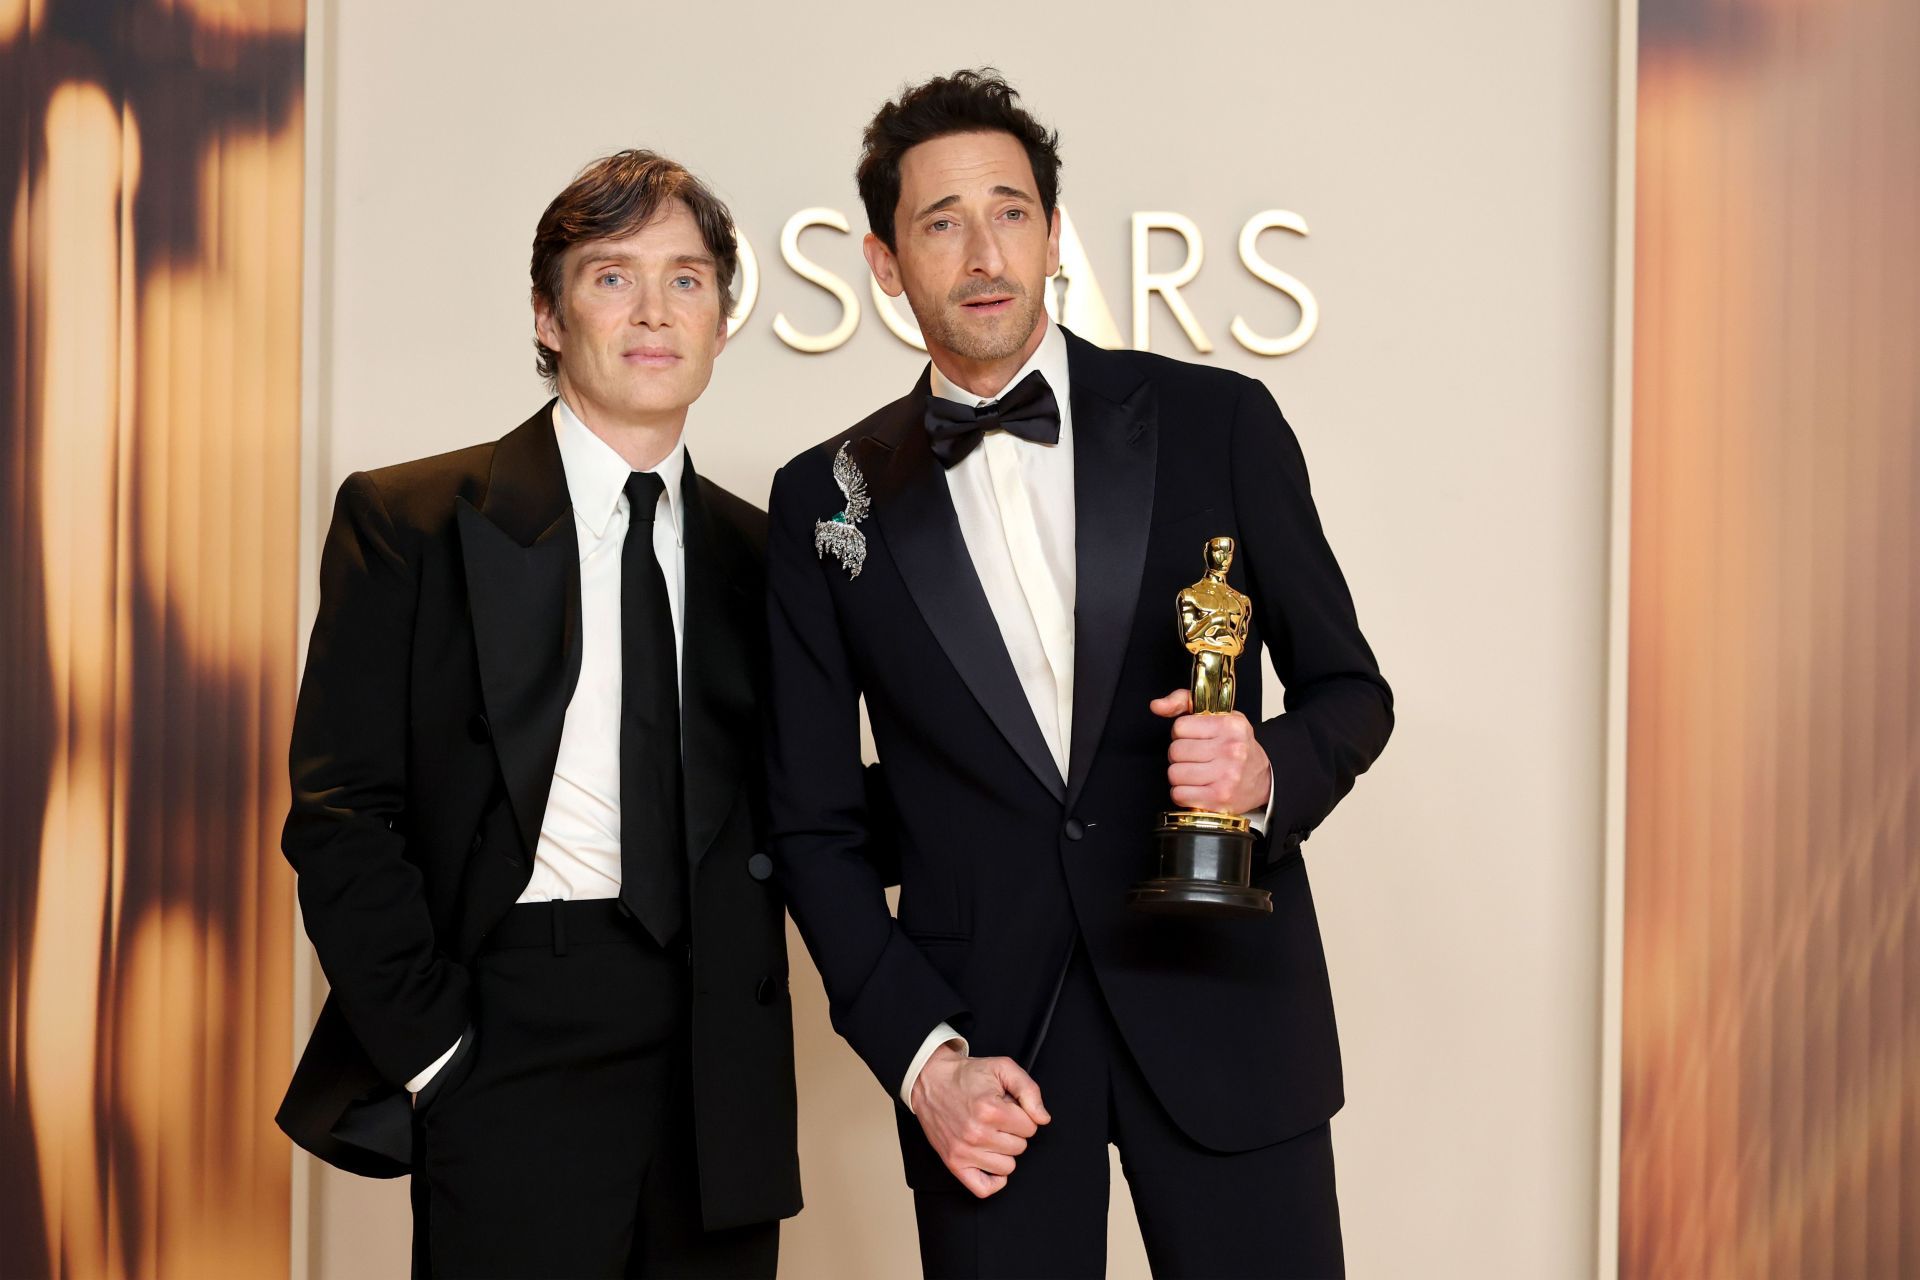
{"type": "Point", "coordinates": [986, 378]}
{"type": "Point", "coordinates": [642, 442]}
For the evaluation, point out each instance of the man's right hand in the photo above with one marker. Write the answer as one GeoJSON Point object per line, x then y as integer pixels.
{"type": "Point", "coordinates": [978, 1114]}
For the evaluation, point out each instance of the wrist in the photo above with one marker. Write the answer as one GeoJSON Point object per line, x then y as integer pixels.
{"type": "Point", "coordinates": [1259, 785]}
{"type": "Point", "coordinates": [943, 1060]}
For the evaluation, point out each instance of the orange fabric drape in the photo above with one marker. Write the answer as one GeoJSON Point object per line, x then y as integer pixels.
{"type": "Point", "coordinates": [1771, 1049]}
{"type": "Point", "coordinates": [149, 443]}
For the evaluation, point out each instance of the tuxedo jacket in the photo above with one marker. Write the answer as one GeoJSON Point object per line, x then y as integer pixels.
{"type": "Point", "coordinates": [1004, 866]}
{"type": "Point", "coordinates": [445, 653]}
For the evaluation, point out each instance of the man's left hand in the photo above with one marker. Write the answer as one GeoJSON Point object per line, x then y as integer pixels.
{"type": "Point", "coordinates": [1214, 761]}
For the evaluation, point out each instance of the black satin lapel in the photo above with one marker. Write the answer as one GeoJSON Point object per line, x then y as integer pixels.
{"type": "Point", "coordinates": [716, 682]}
{"type": "Point", "coordinates": [522, 562]}
{"type": "Point", "coordinates": [1115, 444]}
{"type": "Point", "coordinates": [922, 533]}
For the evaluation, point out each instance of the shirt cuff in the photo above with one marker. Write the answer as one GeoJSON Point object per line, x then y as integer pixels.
{"type": "Point", "coordinates": [421, 1081]}
{"type": "Point", "coordinates": [1257, 818]}
{"type": "Point", "coordinates": [942, 1034]}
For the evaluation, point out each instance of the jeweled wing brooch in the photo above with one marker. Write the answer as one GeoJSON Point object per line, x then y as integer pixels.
{"type": "Point", "coordinates": [838, 534]}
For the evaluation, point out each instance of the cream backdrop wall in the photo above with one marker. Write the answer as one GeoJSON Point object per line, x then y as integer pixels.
{"type": "Point", "coordinates": [1453, 164]}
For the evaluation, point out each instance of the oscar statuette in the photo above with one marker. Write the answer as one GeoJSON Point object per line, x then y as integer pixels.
{"type": "Point", "coordinates": [1206, 858]}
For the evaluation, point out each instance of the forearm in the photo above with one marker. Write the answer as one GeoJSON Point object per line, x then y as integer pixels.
{"type": "Point", "coordinates": [883, 994]}
{"type": "Point", "coordinates": [1319, 747]}
{"type": "Point", "coordinates": [362, 899]}
{"type": "Point", "coordinates": [1339, 710]}
{"type": "Point", "coordinates": [365, 911]}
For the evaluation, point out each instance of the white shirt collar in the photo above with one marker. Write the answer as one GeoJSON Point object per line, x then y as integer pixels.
{"type": "Point", "coordinates": [597, 475]}
{"type": "Point", "coordinates": [1050, 358]}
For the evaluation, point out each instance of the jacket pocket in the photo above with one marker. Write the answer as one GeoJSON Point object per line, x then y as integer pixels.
{"type": "Point", "coordinates": [936, 937]}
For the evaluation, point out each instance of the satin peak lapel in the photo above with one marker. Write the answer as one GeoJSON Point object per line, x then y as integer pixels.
{"type": "Point", "coordinates": [1116, 433]}
{"type": "Point", "coordinates": [916, 516]}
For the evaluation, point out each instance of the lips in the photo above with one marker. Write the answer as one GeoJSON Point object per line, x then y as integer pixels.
{"type": "Point", "coordinates": [651, 356]}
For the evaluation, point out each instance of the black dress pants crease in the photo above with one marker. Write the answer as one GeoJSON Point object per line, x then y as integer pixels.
{"type": "Point", "coordinates": [1270, 1212]}
{"type": "Point", "coordinates": [567, 1150]}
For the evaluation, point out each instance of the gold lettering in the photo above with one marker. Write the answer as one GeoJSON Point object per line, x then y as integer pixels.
{"type": "Point", "coordinates": [814, 273]}
{"type": "Point", "coordinates": [1282, 220]}
{"type": "Point", "coordinates": [749, 284]}
{"type": "Point", "coordinates": [1168, 283]}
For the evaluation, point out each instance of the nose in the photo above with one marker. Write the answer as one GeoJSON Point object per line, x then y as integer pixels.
{"type": "Point", "coordinates": [649, 305]}
{"type": "Point", "coordinates": [983, 252]}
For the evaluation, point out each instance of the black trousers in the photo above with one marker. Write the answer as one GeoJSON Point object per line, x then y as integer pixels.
{"type": "Point", "coordinates": [563, 1145]}
{"type": "Point", "coordinates": [1267, 1212]}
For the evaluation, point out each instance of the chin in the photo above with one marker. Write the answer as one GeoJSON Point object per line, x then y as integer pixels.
{"type": "Point", "coordinates": [991, 339]}
{"type": "Point", "coordinates": [657, 398]}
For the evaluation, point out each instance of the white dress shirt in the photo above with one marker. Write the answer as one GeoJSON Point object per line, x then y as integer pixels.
{"type": "Point", "coordinates": [578, 854]}
{"type": "Point", "coordinates": [1014, 499]}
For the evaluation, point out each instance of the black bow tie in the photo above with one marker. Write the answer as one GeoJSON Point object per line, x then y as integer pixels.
{"type": "Point", "coordinates": [1028, 411]}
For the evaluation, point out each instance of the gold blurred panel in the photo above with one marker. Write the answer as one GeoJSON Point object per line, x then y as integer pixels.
{"type": "Point", "coordinates": [148, 470]}
{"type": "Point", "coordinates": [1771, 1062]}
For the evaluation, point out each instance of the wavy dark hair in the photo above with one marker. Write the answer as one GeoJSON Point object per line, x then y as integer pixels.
{"type": "Point", "coordinates": [615, 196]}
{"type": "Point", "coordinates": [965, 102]}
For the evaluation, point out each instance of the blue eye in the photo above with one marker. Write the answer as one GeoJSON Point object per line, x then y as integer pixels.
{"type": "Point", "coordinates": [938, 223]}
{"type": "Point", "coordinates": [1016, 214]}
{"type": "Point", "coordinates": [609, 277]}
{"type": "Point", "coordinates": [687, 281]}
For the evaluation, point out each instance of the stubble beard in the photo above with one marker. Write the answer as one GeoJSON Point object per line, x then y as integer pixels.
{"type": "Point", "coordinates": [946, 326]}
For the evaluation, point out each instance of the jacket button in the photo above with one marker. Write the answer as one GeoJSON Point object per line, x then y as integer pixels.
{"type": "Point", "coordinates": [1074, 829]}
{"type": "Point", "coordinates": [763, 991]}
{"type": "Point", "coordinates": [478, 729]}
{"type": "Point", "coordinates": [760, 866]}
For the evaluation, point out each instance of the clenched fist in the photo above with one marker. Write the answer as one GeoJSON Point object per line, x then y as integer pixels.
{"type": "Point", "coordinates": [978, 1114]}
{"type": "Point", "coordinates": [1214, 762]}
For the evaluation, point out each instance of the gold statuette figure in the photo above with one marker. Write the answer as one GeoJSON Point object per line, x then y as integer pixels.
{"type": "Point", "coordinates": [1213, 623]}
{"type": "Point", "coordinates": [1206, 858]}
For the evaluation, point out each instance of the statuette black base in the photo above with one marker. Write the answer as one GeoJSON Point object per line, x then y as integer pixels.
{"type": "Point", "coordinates": [1205, 863]}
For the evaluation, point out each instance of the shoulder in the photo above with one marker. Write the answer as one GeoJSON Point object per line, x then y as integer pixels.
{"type": "Point", "coordinates": [808, 475]}
{"type": "Point", "coordinates": [877, 429]}
{"type": "Point", "coordinates": [1177, 380]}
{"type": "Point", "coordinates": [419, 495]}
{"type": "Point", "coordinates": [735, 518]}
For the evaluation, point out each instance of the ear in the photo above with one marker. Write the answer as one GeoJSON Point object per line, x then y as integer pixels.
{"type": "Point", "coordinates": [885, 267]}
{"type": "Point", "coordinates": [547, 325]}
{"type": "Point", "coordinates": [1053, 244]}
{"type": "Point", "coordinates": [720, 341]}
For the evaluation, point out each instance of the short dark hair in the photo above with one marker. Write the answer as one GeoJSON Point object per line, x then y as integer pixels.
{"type": "Point", "coordinates": [964, 102]}
{"type": "Point", "coordinates": [616, 196]}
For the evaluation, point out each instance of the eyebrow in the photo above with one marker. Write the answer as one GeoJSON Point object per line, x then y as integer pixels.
{"type": "Point", "coordinates": [948, 201]}
{"type": "Point", "coordinates": [627, 259]}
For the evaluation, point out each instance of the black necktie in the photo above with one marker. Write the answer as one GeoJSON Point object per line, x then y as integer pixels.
{"type": "Point", "coordinates": [1028, 411]}
{"type": "Point", "coordinates": [653, 857]}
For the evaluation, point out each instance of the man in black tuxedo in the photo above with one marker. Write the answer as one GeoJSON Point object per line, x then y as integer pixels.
{"type": "Point", "coordinates": [527, 808]}
{"type": "Point", "coordinates": [994, 569]}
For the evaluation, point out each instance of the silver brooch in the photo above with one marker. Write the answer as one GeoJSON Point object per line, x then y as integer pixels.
{"type": "Point", "coordinates": [838, 534]}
